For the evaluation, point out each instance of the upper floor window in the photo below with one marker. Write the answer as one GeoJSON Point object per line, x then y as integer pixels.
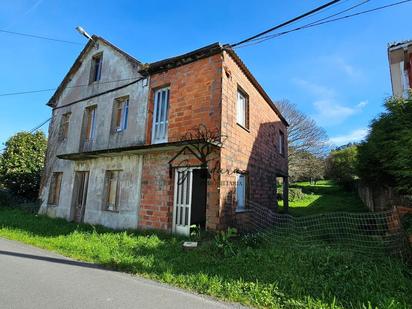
{"type": "Point", "coordinates": [242, 109]}
{"type": "Point", "coordinates": [90, 123]}
{"type": "Point", "coordinates": [121, 111]}
{"type": "Point", "coordinates": [64, 126]}
{"type": "Point", "coordinates": [405, 78]}
{"type": "Point", "coordinates": [96, 69]}
{"type": "Point", "coordinates": [160, 115]}
{"type": "Point", "coordinates": [281, 143]}
{"type": "Point", "coordinates": [112, 188]}
{"type": "Point", "coordinates": [54, 189]}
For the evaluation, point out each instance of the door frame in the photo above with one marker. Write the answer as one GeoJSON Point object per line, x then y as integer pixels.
{"type": "Point", "coordinates": [76, 191]}
{"type": "Point", "coordinates": [184, 230]}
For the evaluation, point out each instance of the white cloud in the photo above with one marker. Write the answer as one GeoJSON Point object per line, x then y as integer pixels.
{"type": "Point", "coordinates": [340, 64]}
{"type": "Point", "coordinates": [328, 110]}
{"type": "Point", "coordinates": [315, 89]}
{"type": "Point", "coordinates": [362, 104]}
{"type": "Point", "coordinates": [354, 136]}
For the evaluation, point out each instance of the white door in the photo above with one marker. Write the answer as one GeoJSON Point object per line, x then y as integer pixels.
{"type": "Point", "coordinates": [182, 201]}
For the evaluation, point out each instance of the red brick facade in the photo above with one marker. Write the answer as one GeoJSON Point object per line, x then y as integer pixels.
{"type": "Point", "coordinates": [205, 92]}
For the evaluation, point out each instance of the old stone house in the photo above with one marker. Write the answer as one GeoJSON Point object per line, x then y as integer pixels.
{"type": "Point", "coordinates": [182, 141]}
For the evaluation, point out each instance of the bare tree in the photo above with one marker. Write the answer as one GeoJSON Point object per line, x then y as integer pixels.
{"type": "Point", "coordinates": [304, 137]}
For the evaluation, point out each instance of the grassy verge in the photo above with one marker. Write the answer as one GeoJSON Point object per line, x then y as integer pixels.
{"type": "Point", "coordinates": [258, 274]}
{"type": "Point", "coordinates": [324, 197]}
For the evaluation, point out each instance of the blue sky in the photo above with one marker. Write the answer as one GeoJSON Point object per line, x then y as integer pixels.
{"type": "Point", "coordinates": [337, 73]}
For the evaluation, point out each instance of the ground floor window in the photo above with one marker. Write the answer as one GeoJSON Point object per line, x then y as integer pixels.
{"type": "Point", "coordinates": [54, 190]}
{"type": "Point", "coordinates": [241, 191]}
{"type": "Point", "coordinates": [112, 188]}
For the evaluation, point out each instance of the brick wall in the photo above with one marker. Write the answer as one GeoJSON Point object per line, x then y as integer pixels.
{"type": "Point", "coordinates": [205, 91]}
{"type": "Point", "coordinates": [254, 150]}
{"type": "Point", "coordinates": [195, 96]}
{"type": "Point", "coordinates": [156, 204]}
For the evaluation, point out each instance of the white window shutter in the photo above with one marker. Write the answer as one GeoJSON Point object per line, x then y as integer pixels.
{"type": "Point", "coordinates": [160, 116]}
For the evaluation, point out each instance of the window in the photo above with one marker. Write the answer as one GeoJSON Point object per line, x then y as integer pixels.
{"type": "Point", "coordinates": [90, 123]}
{"type": "Point", "coordinates": [121, 110]}
{"type": "Point", "coordinates": [112, 187]}
{"type": "Point", "coordinates": [64, 126]}
{"type": "Point", "coordinates": [404, 79]}
{"type": "Point", "coordinates": [241, 191]}
{"type": "Point", "coordinates": [160, 116]}
{"type": "Point", "coordinates": [242, 109]}
{"type": "Point", "coordinates": [54, 189]}
{"type": "Point", "coordinates": [281, 143]}
{"type": "Point", "coordinates": [96, 69]}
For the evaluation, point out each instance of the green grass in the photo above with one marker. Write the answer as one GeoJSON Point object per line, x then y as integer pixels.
{"type": "Point", "coordinates": [259, 274]}
{"type": "Point", "coordinates": [324, 197]}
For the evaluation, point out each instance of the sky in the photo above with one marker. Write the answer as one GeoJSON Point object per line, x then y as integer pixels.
{"type": "Point", "coordinates": [336, 73]}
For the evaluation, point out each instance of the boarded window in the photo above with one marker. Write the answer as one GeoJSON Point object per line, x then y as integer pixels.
{"type": "Point", "coordinates": [281, 143]}
{"type": "Point", "coordinates": [120, 114]}
{"type": "Point", "coordinates": [96, 68]}
{"type": "Point", "coordinates": [64, 126]}
{"type": "Point", "coordinates": [90, 123]}
{"type": "Point", "coordinates": [241, 191]}
{"type": "Point", "coordinates": [112, 183]}
{"type": "Point", "coordinates": [160, 116]}
{"type": "Point", "coordinates": [54, 189]}
{"type": "Point", "coordinates": [242, 109]}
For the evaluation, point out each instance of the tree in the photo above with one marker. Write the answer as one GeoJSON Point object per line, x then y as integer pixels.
{"type": "Point", "coordinates": [307, 142]}
{"type": "Point", "coordinates": [341, 166]}
{"type": "Point", "coordinates": [385, 158]}
{"type": "Point", "coordinates": [22, 162]}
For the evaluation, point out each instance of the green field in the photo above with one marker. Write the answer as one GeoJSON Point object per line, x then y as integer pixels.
{"type": "Point", "coordinates": [255, 273]}
{"type": "Point", "coordinates": [324, 197]}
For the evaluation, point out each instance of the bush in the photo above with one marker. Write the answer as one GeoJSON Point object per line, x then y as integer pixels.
{"type": "Point", "coordinates": [341, 166]}
{"type": "Point", "coordinates": [22, 162]}
{"type": "Point", "coordinates": [295, 194]}
{"type": "Point", "coordinates": [385, 159]}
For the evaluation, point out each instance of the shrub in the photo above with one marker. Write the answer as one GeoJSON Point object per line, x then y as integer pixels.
{"type": "Point", "coordinates": [295, 194]}
{"type": "Point", "coordinates": [223, 242]}
{"type": "Point", "coordinates": [22, 162]}
{"type": "Point", "coordinates": [385, 157]}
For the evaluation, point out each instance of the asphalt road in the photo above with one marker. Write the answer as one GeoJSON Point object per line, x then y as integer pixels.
{"type": "Point", "coordinates": [34, 278]}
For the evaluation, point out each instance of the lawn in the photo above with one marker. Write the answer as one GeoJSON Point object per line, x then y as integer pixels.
{"type": "Point", "coordinates": [255, 273]}
{"type": "Point", "coordinates": [324, 197]}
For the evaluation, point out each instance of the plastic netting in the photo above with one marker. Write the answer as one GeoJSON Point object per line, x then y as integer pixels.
{"type": "Point", "coordinates": [378, 233]}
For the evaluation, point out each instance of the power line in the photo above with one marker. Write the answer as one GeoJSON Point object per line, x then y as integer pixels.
{"type": "Point", "coordinates": [323, 21]}
{"type": "Point", "coordinates": [40, 125]}
{"type": "Point", "coordinates": [316, 21]}
{"type": "Point", "coordinates": [286, 22]}
{"type": "Point", "coordinates": [41, 37]}
{"type": "Point", "coordinates": [51, 89]}
{"type": "Point", "coordinates": [33, 130]}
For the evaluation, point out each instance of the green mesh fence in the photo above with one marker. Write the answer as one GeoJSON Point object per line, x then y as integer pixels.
{"type": "Point", "coordinates": [377, 233]}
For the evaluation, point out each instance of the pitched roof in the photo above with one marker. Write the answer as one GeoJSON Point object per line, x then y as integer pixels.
{"type": "Point", "coordinates": [77, 63]}
{"type": "Point", "coordinates": [169, 63]}
{"type": "Point", "coordinates": [208, 51]}
{"type": "Point", "coordinates": [395, 45]}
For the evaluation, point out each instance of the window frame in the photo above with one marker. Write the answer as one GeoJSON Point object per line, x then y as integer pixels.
{"type": "Point", "coordinates": [64, 126]}
{"type": "Point", "coordinates": [90, 127]}
{"type": "Point", "coordinates": [245, 110]}
{"type": "Point", "coordinates": [53, 198]}
{"type": "Point", "coordinates": [281, 143]}
{"type": "Point", "coordinates": [120, 114]}
{"type": "Point", "coordinates": [157, 122]}
{"type": "Point", "coordinates": [107, 206]}
{"type": "Point", "coordinates": [245, 192]}
{"type": "Point", "coordinates": [96, 68]}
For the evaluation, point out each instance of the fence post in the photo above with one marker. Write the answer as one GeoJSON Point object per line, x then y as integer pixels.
{"type": "Point", "coordinates": [286, 194]}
